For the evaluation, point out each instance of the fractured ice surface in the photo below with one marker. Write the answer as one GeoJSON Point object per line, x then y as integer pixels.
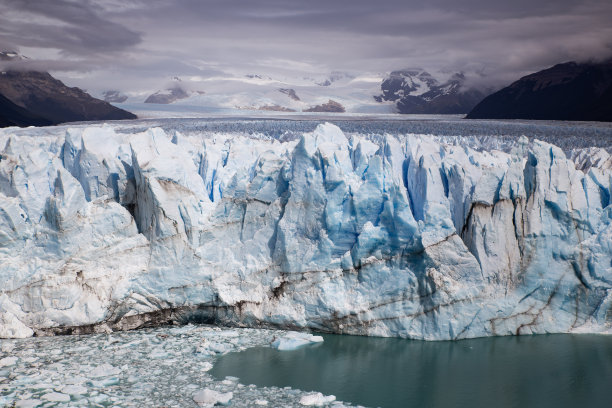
{"type": "Point", "coordinates": [76, 371]}
{"type": "Point", "coordinates": [396, 235]}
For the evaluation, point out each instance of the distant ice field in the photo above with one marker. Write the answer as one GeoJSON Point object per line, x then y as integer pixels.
{"type": "Point", "coordinates": [479, 134]}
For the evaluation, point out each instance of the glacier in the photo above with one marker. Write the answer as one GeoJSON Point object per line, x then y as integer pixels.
{"type": "Point", "coordinates": [403, 235]}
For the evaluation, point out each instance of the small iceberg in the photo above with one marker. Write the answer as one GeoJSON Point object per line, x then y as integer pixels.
{"type": "Point", "coordinates": [317, 399]}
{"type": "Point", "coordinates": [294, 340]}
{"type": "Point", "coordinates": [208, 398]}
{"type": "Point", "coordinates": [56, 397]}
{"type": "Point", "coordinates": [8, 361]}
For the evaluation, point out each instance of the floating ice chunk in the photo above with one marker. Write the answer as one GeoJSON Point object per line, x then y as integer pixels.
{"type": "Point", "coordinates": [106, 382]}
{"type": "Point", "coordinates": [42, 386]}
{"type": "Point", "coordinates": [28, 403]}
{"type": "Point", "coordinates": [105, 370]}
{"type": "Point", "coordinates": [5, 400]}
{"type": "Point", "coordinates": [220, 348]}
{"type": "Point", "coordinates": [294, 340]}
{"type": "Point", "coordinates": [7, 347]}
{"type": "Point", "coordinates": [206, 366]}
{"type": "Point", "coordinates": [74, 380]}
{"type": "Point", "coordinates": [74, 389]}
{"type": "Point", "coordinates": [12, 328]}
{"type": "Point", "coordinates": [8, 361]}
{"type": "Point", "coordinates": [208, 397]}
{"type": "Point", "coordinates": [261, 402]}
{"type": "Point", "coordinates": [159, 353]}
{"type": "Point", "coordinates": [101, 398]}
{"type": "Point", "coordinates": [317, 399]}
{"type": "Point", "coordinates": [56, 397]}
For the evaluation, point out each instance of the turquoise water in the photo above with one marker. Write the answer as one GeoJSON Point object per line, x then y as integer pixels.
{"type": "Point", "coordinates": [527, 371]}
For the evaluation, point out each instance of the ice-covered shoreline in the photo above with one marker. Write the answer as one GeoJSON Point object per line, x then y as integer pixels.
{"type": "Point", "coordinates": [165, 366]}
{"type": "Point", "coordinates": [407, 236]}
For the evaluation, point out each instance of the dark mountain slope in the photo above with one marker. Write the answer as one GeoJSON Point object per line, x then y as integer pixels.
{"type": "Point", "coordinates": [48, 98]}
{"type": "Point", "coordinates": [568, 91]}
{"type": "Point", "coordinates": [14, 115]}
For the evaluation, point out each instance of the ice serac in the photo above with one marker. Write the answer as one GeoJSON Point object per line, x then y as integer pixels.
{"type": "Point", "coordinates": [403, 235]}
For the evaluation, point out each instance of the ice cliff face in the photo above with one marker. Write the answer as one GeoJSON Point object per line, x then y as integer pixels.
{"type": "Point", "coordinates": [403, 236]}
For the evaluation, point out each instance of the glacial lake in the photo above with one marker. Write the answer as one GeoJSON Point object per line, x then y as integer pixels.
{"type": "Point", "coordinates": [527, 371]}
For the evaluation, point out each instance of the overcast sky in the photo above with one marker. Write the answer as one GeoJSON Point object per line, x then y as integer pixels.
{"type": "Point", "coordinates": [139, 44]}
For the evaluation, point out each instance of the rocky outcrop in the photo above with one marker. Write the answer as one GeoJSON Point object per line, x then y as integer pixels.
{"type": "Point", "coordinates": [290, 93]}
{"type": "Point", "coordinates": [275, 108]}
{"type": "Point", "coordinates": [393, 236]}
{"type": "Point", "coordinates": [330, 106]}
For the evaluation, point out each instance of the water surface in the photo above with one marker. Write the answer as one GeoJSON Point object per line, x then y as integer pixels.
{"type": "Point", "coordinates": [527, 371]}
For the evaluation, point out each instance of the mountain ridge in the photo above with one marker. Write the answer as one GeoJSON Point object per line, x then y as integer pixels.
{"type": "Point", "coordinates": [566, 91]}
{"type": "Point", "coordinates": [37, 98]}
{"type": "Point", "coordinates": [416, 91]}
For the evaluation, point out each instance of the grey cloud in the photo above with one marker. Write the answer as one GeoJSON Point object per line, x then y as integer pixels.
{"type": "Point", "coordinates": [74, 27]}
{"type": "Point", "coordinates": [150, 41]}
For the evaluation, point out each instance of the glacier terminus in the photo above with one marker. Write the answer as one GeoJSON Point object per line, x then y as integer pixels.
{"type": "Point", "coordinates": [104, 228]}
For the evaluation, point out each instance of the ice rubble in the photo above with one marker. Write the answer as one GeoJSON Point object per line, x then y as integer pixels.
{"type": "Point", "coordinates": [59, 369]}
{"type": "Point", "coordinates": [396, 236]}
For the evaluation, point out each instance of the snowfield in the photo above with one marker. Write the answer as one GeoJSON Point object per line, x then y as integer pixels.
{"type": "Point", "coordinates": [114, 227]}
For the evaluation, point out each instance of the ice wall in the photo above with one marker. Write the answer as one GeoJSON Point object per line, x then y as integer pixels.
{"type": "Point", "coordinates": [396, 236]}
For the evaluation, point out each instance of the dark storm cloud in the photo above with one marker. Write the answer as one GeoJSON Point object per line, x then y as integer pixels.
{"type": "Point", "coordinates": [74, 27]}
{"type": "Point", "coordinates": [493, 42]}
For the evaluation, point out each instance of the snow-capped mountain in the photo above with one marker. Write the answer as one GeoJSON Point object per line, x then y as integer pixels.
{"type": "Point", "coordinates": [114, 96]}
{"type": "Point", "coordinates": [175, 91]}
{"type": "Point", "coordinates": [417, 91]}
{"type": "Point", "coordinates": [406, 91]}
{"type": "Point", "coordinates": [413, 82]}
{"type": "Point", "coordinates": [335, 77]}
{"type": "Point", "coordinates": [168, 95]}
{"type": "Point", "coordinates": [255, 91]}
